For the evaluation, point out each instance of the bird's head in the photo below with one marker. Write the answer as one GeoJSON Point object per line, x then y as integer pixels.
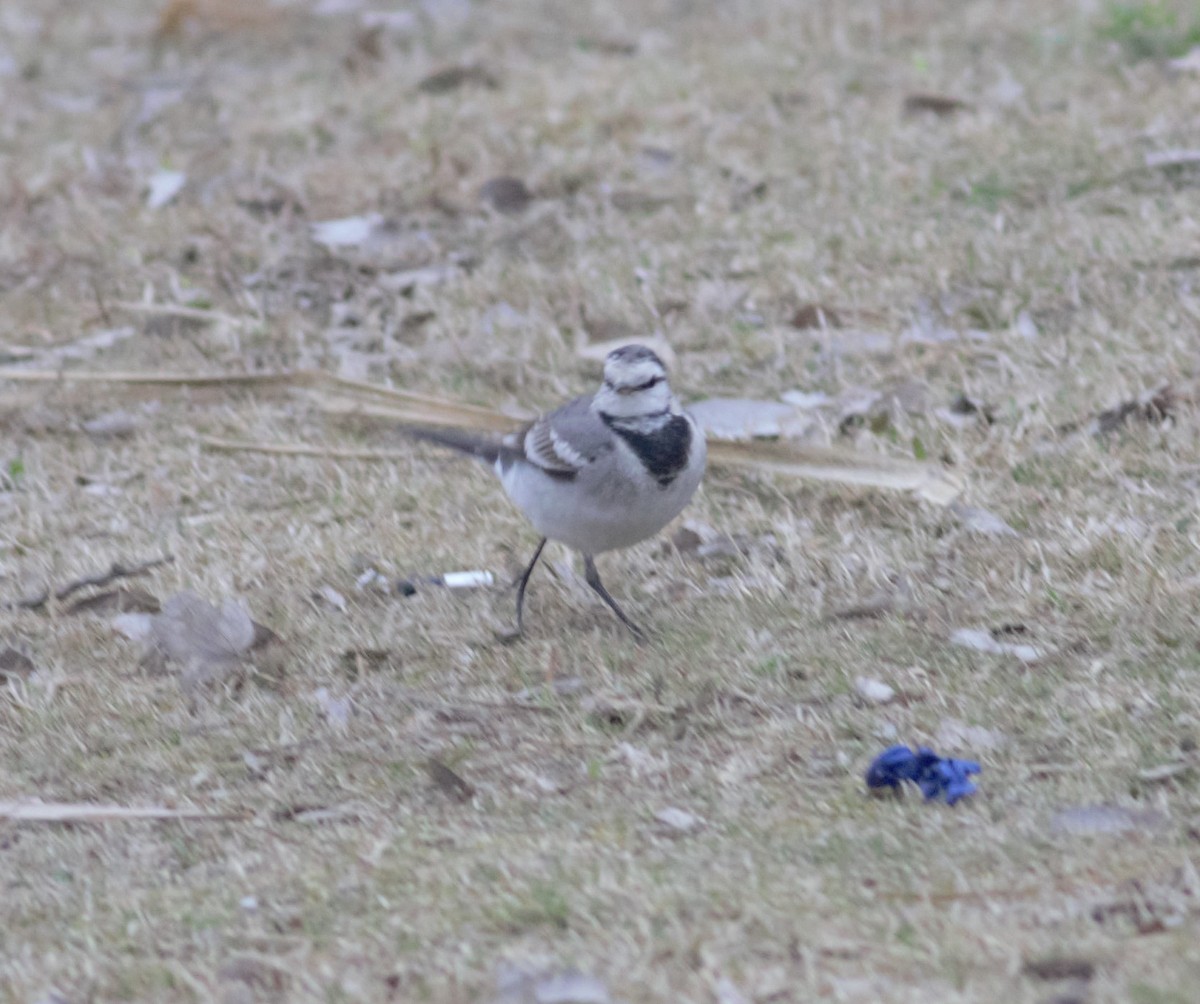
{"type": "Point", "coordinates": [635, 384]}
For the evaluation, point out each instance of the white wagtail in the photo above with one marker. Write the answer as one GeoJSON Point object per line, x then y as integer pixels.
{"type": "Point", "coordinates": [601, 472]}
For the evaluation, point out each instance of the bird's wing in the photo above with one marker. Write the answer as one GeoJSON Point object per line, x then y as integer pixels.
{"type": "Point", "coordinates": [567, 439]}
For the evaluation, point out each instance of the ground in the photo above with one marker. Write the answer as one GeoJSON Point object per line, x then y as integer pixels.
{"type": "Point", "coordinates": [411, 802]}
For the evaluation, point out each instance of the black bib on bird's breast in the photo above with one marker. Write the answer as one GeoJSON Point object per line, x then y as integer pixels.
{"type": "Point", "coordinates": [663, 452]}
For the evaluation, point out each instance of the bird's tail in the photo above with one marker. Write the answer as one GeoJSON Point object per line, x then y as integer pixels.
{"type": "Point", "coordinates": [487, 450]}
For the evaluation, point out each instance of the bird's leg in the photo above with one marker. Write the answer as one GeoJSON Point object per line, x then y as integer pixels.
{"type": "Point", "coordinates": [593, 579]}
{"type": "Point", "coordinates": [523, 581]}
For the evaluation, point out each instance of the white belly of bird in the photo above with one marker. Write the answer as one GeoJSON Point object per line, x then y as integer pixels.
{"type": "Point", "coordinates": [596, 512]}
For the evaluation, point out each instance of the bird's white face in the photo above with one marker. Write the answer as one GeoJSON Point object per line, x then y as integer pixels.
{"type": "Point", "coordinates": [635, 384]}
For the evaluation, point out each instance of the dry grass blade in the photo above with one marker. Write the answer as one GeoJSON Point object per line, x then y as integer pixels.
{"type": "Point", "coordinates": [816, 463]}
{"type": "Point", "coordinates": [35, 811]}
{"type": "Point", "coordinates": [152, 378]}
{"type": "Point", "coordinates": [297, 450]}
{"type": "Point", "coordinates": [186, 313]}
{"type": "Point", "coordinates": [929, 481]}
{"type": "Point", "coordinates": [338, 395]}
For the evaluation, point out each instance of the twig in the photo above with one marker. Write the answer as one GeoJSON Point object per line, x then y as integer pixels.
{"type": "Point", "coordinates": [118, 570]}
{"type": "Point", "coordinates": [152, 379]}
{"type": "Point", "coordinates": [297, 450]}
{"type": "Point", "coordinates": [175, 310]}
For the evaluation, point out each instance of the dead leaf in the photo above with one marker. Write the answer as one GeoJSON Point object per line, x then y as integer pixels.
{"type": "Point", "coordinates": [117, 601]}
{"type": "Point", "coordinates": [505, 194]}
{"type": "Point", "coordinates": [1153, 407]}
{"type": "Point", "coordinates": [453, 77]}
{"type": "Point", "coordinates": [357, 662]}
{"type": "Point", "coordinates": [34, 810]}
{"type": "Point", "coordinates": [1059, 967]}
{"type": "Point", "coordinates": [938, 104]}
{"type": "Point", "coordinates": [448, 781]}
{"type": "Point", "coordinates": [815, 315]}
{"type": "Point", "coordinates": [264, 975]}
{"type": "Point", "coordinates": [631, 200]}
{"type": "Point", "coordinates": [609, 46]}
{"type": "Point", "coordinates": [891, 598]}
{"type": "Point", "coordinates": [228, 15]}
{"type": "Point", "coordinates": [965, 407]}
{"type": "Point", "coordinates": [564, 686]}
{"type": "Point", "coordinates": [15, 665]}
{"type": "Point", "coordinates": [316, 815]}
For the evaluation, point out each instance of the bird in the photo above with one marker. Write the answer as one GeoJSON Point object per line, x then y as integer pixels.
{"type": "Point", "coordinates": [601, 472]}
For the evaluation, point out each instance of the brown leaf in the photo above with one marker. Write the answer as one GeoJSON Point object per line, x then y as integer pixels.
{"type": "Point", "coordinates": [453, 77]}
{"type": "Point", "coordinates": [15, 665]}
{"type": "Point", "coordinates": [449, 781]}
{"type": "Point", "coordinates": [218, 15]}
{"type": "Point", "coordinates": [1059, 967]}
{"type": "Point", "coordinates": [263, 636]}
{"type": "Point", "coordinates": [269, 976]}
{"type": "Point", "coordinates": [938, 104]}
{"type": "Point", "coordinates": [1154, 407]}
{"type": "Point", "coordinates": [609, 46]}
{"type": "Point", "coordinates": [505, 194]}
{"type": "Point", "coordinates": [630, 200]}
{"type": "Point", "coordinates": [816, 315]}
{"type": "Point", "coordinates": [966, 405]}
{"type": "Point", "coordinates": [117, 601]}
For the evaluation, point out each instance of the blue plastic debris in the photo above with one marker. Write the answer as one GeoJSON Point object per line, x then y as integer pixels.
{"type": "Point", "coordinates": [936, 776]}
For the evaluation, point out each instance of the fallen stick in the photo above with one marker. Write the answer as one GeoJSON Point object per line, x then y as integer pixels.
{"type": "Point", "coordinates": [116, 571]}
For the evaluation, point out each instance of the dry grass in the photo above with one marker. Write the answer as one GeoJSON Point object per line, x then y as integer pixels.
{"type": "Point", "coordinates": [703, 170]}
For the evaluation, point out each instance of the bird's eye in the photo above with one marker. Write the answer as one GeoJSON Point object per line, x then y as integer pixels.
{"type": "Point", "coordinates": [654, 380]}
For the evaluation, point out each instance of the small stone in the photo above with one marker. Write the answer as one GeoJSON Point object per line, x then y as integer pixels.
{"type": "Point", "coordinates": [678, 820]}
{"type": "Point", "coordinates": [874, 691]}
{"type": "Point", "coordinates": [118, 424]}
